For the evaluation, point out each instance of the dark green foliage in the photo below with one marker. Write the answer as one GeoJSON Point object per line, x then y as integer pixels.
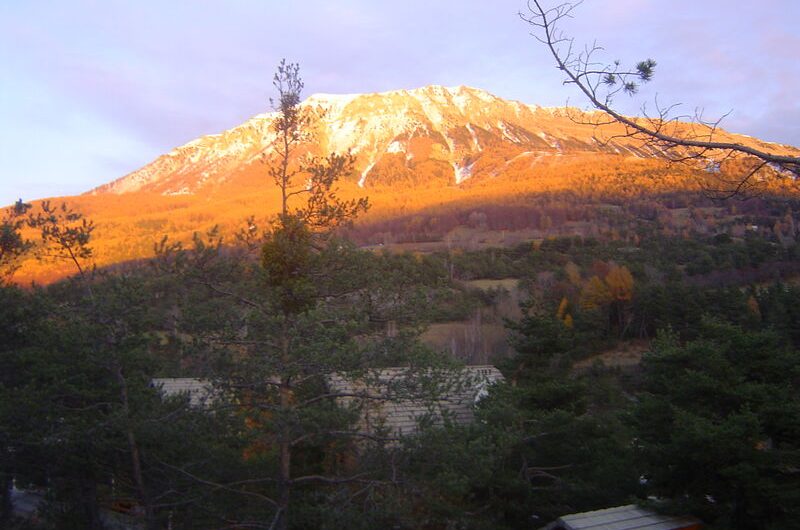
{"type": "Point", "coordinates": [714, 412]}
{"type": "Point", "coordinates": [543, 444]}
{"type": "Point", "coordinates": [718, 426]}
{"type": "Point", "coordinates": [285, 260]}
{"type": "Point", "coordinates": [535, 451]}
{"type": "Point", "coordinates": [539, 342]}
{"type": "Point", "coordinates": [17, 324]}
{"type": "Point", "coordinates": [780, 311]}
{"type": "Point", "coordinates": [495, 263]}
{"type": "Point", "coordinates": [311, 308]}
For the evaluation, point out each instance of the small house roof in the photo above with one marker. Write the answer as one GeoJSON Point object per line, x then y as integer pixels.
{"type": "Point", "coordinates": [629, 517]}
{"type": "Point", "coordinates": [200, 391]}
{"type": "Point", "coordinates": [399, 412]}
{"type": "Point", "coordinates": [394, 399]}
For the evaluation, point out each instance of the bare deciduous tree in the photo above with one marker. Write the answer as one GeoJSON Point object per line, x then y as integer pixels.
{"type": "Point", "coordinates": [677, 137]}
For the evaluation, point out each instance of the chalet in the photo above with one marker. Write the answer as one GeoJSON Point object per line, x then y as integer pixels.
{"type": "Point", "coordinates": [390, 400]}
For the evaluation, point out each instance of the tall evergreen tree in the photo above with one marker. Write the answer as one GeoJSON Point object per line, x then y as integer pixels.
{"type": "Point", "coordinates": [311, 306]}
{"type": "Point", "coordinates": [717, 426]}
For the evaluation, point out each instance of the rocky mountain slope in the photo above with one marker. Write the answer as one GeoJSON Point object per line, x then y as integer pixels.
{"type": "Point", "coordinates": [407, 137]}
{"type": "Point", "coordinates": [441, 166]}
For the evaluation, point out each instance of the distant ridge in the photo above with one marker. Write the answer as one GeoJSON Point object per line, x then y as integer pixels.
{"type": "Point", "coordinates": [450, 134]}
{"type": "Point", "coordinates": [440, 165]}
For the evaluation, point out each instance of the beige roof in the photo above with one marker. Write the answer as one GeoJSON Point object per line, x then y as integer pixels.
{"type": "Point", "coordinates": [630, 517]}
{"type": "Point", "coordinates": [200, 391]}
{"type": "Point", "coordinates": [396, 399]}
{"type": "Point", "coordinates": [389, 399]}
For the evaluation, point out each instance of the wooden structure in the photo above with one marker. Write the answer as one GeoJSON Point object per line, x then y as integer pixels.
{"type": "Point", "coordinates": [630, 517]}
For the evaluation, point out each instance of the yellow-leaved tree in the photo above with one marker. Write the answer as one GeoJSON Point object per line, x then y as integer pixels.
{"type": "Point", "coordinates": [620, 283]}
{"type": "Point", "coordinates": [612, 294]}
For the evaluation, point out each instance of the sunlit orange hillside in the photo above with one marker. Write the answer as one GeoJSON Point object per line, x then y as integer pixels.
{"type": "Point", "coordinates": [421, 155]}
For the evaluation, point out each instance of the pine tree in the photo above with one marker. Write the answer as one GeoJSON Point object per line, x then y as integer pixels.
{"type": "Point", "coordinates": [310, 307]}
{"type": "Point", "coordinates": [717, 426]}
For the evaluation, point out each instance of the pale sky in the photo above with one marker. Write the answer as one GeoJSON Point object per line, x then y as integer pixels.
{"type": "Point", "coordinates": [93, 89]}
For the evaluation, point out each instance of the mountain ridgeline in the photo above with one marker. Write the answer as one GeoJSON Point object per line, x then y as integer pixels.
{"type": "Point", "coordinates": [431, 134]}
{"type": "Point", "coordinates": [437, 164]}
{"type": "Point", "coordinates": [645, 338]}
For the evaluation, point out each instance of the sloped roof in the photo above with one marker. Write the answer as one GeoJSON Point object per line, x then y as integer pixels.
{"type": "Point", "coordinates": [629, 517]}
{"type": "Point", "coordinates": [200, 391]}
{"type": "Point", "coordinates": [393, 399]}
{"type": "Point", "coordinates": [387, 405]}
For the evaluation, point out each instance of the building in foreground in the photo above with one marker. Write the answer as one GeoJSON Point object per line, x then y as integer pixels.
{"type": "Point", "coordinates": [630, 517]}
{"type": "Point", "coordinates": [390, 401]}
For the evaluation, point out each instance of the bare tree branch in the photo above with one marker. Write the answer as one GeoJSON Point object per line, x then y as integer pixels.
{"type": "Point", "coordinates": [227, 487]}
{"type": "Point", "coordinates": [677, 138]}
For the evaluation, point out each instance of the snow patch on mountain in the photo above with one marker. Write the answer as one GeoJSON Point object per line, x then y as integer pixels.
{"type": "Point", "coordinates": [475, 143]}
{"type": "Point", "coordinates": [552, 141]}
{"type": "Point", "coordinates": [439, 124]}
{"type": "Point", "coordinates": [524, 154]}
{"type": "Point", "coordinates": [395, 147]}
{"type": "Point", "coordinates": [363, 180]}
{"type": "Point", "coordinates": [431, 109]}
{"type": "Point", "coordinates": [462, 173]}
{"type": "Point", "coordinates": [507, 133]}
{"type": "Point", "coordinates": [334, 102]}
{"type": "Point", "coordinates": [464, 97]}
{"type": "Point", "coordinates": [182, 191]}
{"type": "Point", "coordinates": [466, 93]}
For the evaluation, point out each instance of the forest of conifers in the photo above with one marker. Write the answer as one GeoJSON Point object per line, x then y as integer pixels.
{"type": "Point", "coordinates": [704, 418]}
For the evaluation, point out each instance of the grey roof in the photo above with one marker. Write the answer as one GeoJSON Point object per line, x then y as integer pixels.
{"type": "Point", "coordinates": [630, 517]}
{"type": "Point", "coordinates": [200, 391]}
{"type": "Point", "coordinates": [388, 403]}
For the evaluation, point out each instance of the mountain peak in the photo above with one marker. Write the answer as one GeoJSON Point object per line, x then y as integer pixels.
{"type": "Point", "coordinates": [325, 99]}
{"type": "Point", "coordinates": [448, 134]}
{"type": "Point", "coordinates": [394, 134]}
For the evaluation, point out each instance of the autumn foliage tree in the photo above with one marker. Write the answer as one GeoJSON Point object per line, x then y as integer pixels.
{"type": "Point", "coordinates": [612, 294]}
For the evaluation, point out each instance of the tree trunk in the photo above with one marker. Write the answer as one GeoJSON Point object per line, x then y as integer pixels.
{"type": "Point", "coordinates": [284, 441]}
{"type": "Point", "coordinates": [6, 506]}
{"type": "Point", "coordinates": [88, 502]}
{"type": "Point", "coordinates": [136, 460]}
{"type": "Point", "coordinates": [284, 485]}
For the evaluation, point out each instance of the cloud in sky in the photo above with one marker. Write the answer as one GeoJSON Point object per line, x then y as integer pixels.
{"type": "Point", "coordinates": [93, 89]}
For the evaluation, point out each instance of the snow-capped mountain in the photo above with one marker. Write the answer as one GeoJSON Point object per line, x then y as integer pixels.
{"type": "Point", "coordinates": [437, 164]}
{"type": "Point", "coordinates": [434, 132]}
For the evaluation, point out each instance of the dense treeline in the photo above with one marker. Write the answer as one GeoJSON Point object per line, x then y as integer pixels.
{"type": "Point", "coordinates": [601, 196]}
{"type": "Point", "coordinates": [287, 337]}
{"type": "Point", "coordinates": [608, 214]}
{"type": "Point", "coordinates": [709, 421]}
{"type": "Point", "coordinates": [82, 424]}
